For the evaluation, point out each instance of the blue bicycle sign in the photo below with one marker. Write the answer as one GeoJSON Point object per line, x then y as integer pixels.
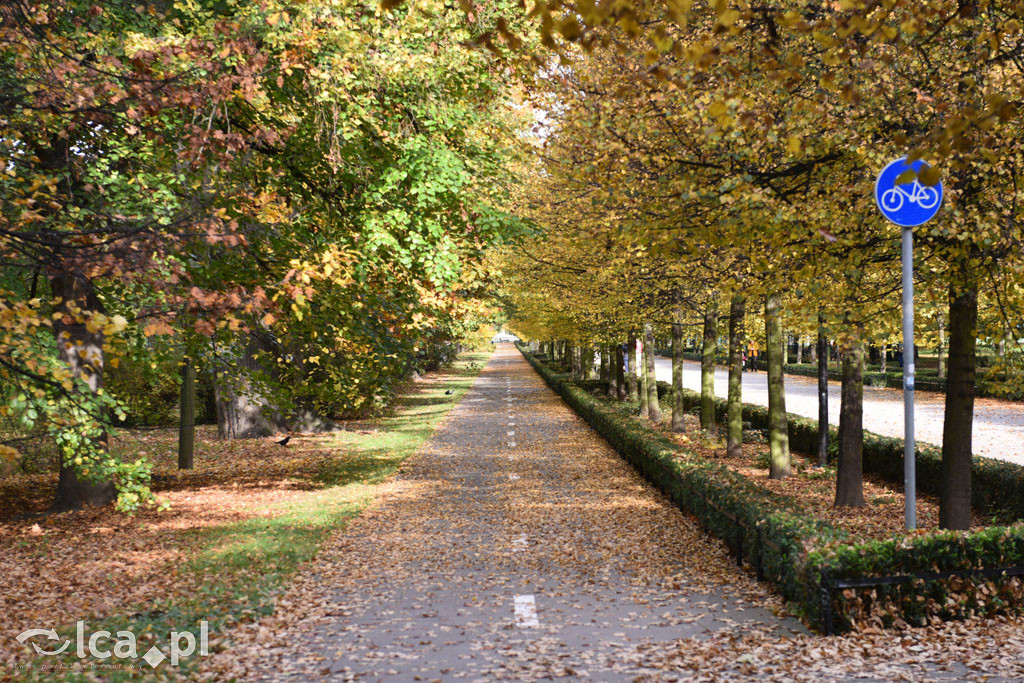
{"type": "Point", "coordinates": [906, 204]}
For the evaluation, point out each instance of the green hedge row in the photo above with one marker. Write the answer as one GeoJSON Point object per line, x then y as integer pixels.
{"type": "Point", "coordinates": [924, 379]}
{"type": "Point", "coordinates": [996, 485]}
{"type": "Point", "coordinates": [892, 380]}
{"type": "Point", "coordinates": [804, 557]}
{"type": "Point", "coordinates": [754, 522]}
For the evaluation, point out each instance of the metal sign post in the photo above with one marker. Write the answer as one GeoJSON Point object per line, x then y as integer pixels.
{"type": "Point", "coordinates": [909, 448]}
{"type": "Point", "coordinates": [907, 205]}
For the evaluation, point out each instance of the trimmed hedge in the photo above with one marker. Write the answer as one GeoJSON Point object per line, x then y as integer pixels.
{"type": "Point", "coordinates": [921, 597]}
{"type": "Point", "coordinates": [753, 521]}
{"type": "Point", "coordinates": [925, 379]}
{"type": "Point", "coordinates": [996, 485]}
{"type": "Point", "coordinates": [804, 557]}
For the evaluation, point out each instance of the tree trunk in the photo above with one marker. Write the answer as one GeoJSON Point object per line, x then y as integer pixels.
{"type": "Point", "coordinates": [620, 373]}
{"type": "Point", "coordinates": [822, 352]}
{"type": "Point", "coordinates": [633, 374]}
{"type": "Point", "coordinates": [850, 480]}
{"type": "Point", "coordinates": [587, 362]}
{"type": "Point", "coordinates": [187, 417]}
{"type": "Point", "coordinates": [242, 412]}
{"type": "Point", "coordinates": [650, 372]}
{"type": "Point", "coordinates": [645, 396]}
{"type": "Point", "coordinates": [678, 411]}
{"type": "Point", "coordinates": [82, 352]}
{"type": "Point", "coordinates": [882, 360]}
{"type": "Point", "coordinates": [942, 347]}
{"type": "Point", "coordinates": [709, 350]}
{"type": "Point", "coordinates": [955, 497]}
{"type": "Point", "coordinates": [605, 365]}
{"type": "Point", "coordinates": [734, 438]}
{"type": "Point", "coordinates": [812, 352]}
{"type": "Point", "coordinates": [608, 351]}
{"type": "Point", "coordinates": [799, 350]}
{"type": "Point", "coordinates": [778, 422]}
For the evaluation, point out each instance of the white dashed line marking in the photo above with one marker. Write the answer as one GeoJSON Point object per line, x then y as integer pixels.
{"type": "Point", "coordinates": [525, 608]}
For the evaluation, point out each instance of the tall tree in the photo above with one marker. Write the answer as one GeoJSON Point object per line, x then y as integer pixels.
{"type": "Point", "coordinates": [650, 375]}
{"type": "Point", "coordinates": [778, 420]}
{"type": "Point", "coordinates": [849, 481]}
{"type": "Point", "coordinates": [734, 439]}
{"type": "Point", "coordinates": [709, 350]}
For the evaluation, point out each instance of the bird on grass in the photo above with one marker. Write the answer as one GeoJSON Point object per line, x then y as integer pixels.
{"type": "Point", "coordinates": [448, 393]}
{"type": "Point", "coordinates": [285, 440]}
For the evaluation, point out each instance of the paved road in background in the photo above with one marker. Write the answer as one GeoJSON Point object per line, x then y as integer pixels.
{"type": "Point", "coordinates": [998, 425]}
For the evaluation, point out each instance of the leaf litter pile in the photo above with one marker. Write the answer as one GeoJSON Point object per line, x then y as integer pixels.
{"type": "Point", "coordinates": [95, 564]}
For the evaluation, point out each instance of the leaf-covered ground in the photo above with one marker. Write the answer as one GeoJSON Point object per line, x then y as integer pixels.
{"type": "Point", "coordinates": [814, 487]}
{"type": "Point", "coordinates": [423, 585]}
{"type": "Point", "coordinates": [239, 525]}
{"type": "Point", "coordinates": [513, 495]}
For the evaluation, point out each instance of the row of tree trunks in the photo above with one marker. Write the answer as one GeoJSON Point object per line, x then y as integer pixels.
{"type": "Point", "coordinates": [639, 384]}
{"type": "Point", "coordinates": [587, 362]}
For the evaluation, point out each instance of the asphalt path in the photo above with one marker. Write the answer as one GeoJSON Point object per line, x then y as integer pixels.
{"type": "Point", "coordinates": [998, 425]}
{"type": "Point", "coordinates": [516, 546]}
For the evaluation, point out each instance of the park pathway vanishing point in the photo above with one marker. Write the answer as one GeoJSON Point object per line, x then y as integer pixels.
{"type": "Point", "coordinates": [515, 545]}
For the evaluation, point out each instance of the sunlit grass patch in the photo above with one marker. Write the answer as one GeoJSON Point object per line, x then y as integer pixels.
{"type": "Point", "coordinates": [232, 572]}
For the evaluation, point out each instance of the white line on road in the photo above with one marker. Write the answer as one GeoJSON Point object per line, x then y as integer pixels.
{"type": "Point", "coordinates": [525, 608]}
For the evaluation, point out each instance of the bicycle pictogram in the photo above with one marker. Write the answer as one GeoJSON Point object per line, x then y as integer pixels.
{"type": "Point", "coordinates": [922, 195]}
